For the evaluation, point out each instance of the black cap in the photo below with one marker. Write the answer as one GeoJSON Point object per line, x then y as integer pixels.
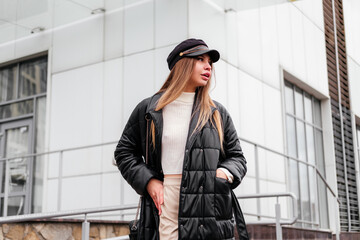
{"type": "Point", "coordinates": [190, 48]}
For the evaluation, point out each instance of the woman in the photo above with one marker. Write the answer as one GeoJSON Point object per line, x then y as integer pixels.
{"type": "Point", "coordinates": [194, 156]}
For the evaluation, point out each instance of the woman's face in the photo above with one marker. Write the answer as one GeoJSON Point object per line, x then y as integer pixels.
{"type": "Point", "coordinates": [201, 73]}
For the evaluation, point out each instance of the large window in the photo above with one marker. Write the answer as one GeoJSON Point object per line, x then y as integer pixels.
{"type": "Point", "coordinates": [305, 145]}
{"type": "Point", "coordinates": [22, 123]}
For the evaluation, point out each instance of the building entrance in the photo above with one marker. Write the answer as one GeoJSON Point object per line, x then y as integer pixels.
{"type": "Point", "coordinates": [16, 171]}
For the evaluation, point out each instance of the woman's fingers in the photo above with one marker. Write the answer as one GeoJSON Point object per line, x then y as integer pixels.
{"type": "Point", "coordinates": [220, 174]}
{"type": "Point", "coordinates": [155, 189]}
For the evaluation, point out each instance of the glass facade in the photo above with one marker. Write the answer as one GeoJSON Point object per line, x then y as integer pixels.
{"type": "Point", "coordinates": [305, 145]}
{"type": "Point", "coordinates": [22, 127]}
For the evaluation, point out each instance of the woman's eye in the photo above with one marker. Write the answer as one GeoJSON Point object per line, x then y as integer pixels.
{"type": "Point", "coordinates": [200, 59]}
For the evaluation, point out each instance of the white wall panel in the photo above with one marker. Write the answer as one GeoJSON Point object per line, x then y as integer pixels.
{"type": "Point", "coordinates": [219, 84]}
{"type": "Point", "coordinates": [297, 34]}
{"type": "Point", "coordinates": [107, 158]}
{"type": "Point", "coordinates": [269, 46]}
{"type": "Point", "coordinates": [284, 36]}
{"type": "Point", "coordinates": [207, 24]}
{"type": "Point", "coordinates": [311, 54]}
{"type": "Point", "coordinates": [233, 95]}
{"type": "Point", "coordinates": [138, 81]}
{"type": "Point", "coordinates": [35, 43]}
{"type": "Point", "coordinates": [249, 44]}
{"type": "Point", "coordinates": [131, 197]}
{"type": "Point", "coordinates": [139, 27]}
{"type": "Point", "coordinates": [114, 34]}
{"type": "Point", "coordinates": [312, 10]}
{"type": "Point", "coordinates": [51, 197]}
{"type": "Point", "coordinates": [252, 108]}
{"type": "Point", "coordinates": [53, 165]}
{"type": "Point", "coordinates": [110, 189]}
{"type": "Point", "coordinates": [76, 107]}
{"type": "Point", "coordinates": [78, 44]}
{"type": "Point", "coordinates": [276, 166]}
{"type": "Point", "coordinates": [161, 67]}
{"type": "Point", "coordinates": [352, 31]}
{"type": "Point", "coordinates": [273, 132]}
{"type": "Point", "coordinates": [80, 192]}
{"type": "Point", "coordinates": [113, 4]}
{"type": "Point", "coordinates": [112, 101]}
{"type": "Point", "coordinates": [170, 22]}
{"type": "Point", "coordinates": [320, 49]}
{"type": "Point", "coordinates": [232, 37]}
{"type": "Point", "coordinates": [79, 162]}
{"type": "Point", "coordinates": [7, 51]}
{"type": "Point", "coordinates": [354, 82]}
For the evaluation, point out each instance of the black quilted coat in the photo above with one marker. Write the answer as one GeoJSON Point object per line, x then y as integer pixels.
{"type": "Point", "coordinates": [206, 202]}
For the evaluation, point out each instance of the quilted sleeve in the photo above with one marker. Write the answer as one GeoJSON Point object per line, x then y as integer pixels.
{"type": "Point", "coordinates": [129, 155]}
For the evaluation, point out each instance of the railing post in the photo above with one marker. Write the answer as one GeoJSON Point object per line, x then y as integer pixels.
{"type": "Point", "coordinates": [6, 186]}
{"type": "Point", "coordinates": [278, 216]}
{"type": "Point", "coordinates": [60, 180]}
{"type": "Point", "coordinates": [257, 174]}
{"type": "Point", "coordinates": [85, 230]}
{"type": "Point", "coordinates": [337, 234]}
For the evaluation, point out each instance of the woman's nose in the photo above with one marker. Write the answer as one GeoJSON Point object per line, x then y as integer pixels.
{"type": "Point", "coordinates": [207, 66]}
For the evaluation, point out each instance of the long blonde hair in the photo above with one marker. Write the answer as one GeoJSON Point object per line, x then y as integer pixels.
{"type": "Point", "coordinates": [175, 84]}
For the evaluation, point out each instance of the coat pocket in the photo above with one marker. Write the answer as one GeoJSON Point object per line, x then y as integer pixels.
{"type": "Point", "coordinates": [223, 200]}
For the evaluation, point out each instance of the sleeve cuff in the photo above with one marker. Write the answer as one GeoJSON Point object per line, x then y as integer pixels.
{"type": "Point", "coordinates": [228, 174]}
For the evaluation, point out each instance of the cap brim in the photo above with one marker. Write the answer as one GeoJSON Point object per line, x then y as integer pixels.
{"type": "Point", "coordinates": [214, 54]}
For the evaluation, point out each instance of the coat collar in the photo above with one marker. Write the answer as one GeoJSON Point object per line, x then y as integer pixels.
{"type": "Point", "coordinates": [155, 98]}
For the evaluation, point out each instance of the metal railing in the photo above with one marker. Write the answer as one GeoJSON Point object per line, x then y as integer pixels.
{"type": "Point", "coordinates": [257, 196]}
{"type": "Point", "coordinates": [336, 200]}
{"type": "Point", "coordinates": [86, 225]}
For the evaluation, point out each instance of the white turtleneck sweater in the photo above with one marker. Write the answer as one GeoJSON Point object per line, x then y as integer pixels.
{"type": "Point", "coordinates": [176, 120]}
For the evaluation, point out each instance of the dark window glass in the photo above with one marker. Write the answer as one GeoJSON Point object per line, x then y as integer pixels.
{"type": "Point", "coordinates": [8, 83]}
{"type": "Point", "coordinates": [16, 109]}
{"type": "Point", "coordinates": [304, 141]}
{"type": "Point", "coordinates": [32, 79]}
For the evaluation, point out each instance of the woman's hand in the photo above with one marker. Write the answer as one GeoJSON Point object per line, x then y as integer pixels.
{"type": "Point", "coordinates": [220, 174]}
{"type": "Point", "coordinates": [155, 189]}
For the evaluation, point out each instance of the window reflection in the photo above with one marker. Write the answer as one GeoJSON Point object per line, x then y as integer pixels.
{"type": "Point", "coordinates": [32, 79]}
{"type": "Point", "coordinates": [304, 141]}
{"type": "Point", "coordinates": [16, 109]}
{"type": "Point", "coordinates": [8, 83]}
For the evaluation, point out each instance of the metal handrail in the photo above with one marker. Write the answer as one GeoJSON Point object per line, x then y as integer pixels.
{"type": "Point", "coordinates": [35, 216]}
{"type": "Point", "coordinates": [298, 160]}
{"type": "Point", "coordinates": [277, 195]}
{"type": "Point", "coordinates": [57, 151]}
{"type": "Point", "coordinates": [278, 221]}
{"type": "Point", "coordinates": [70, 213]}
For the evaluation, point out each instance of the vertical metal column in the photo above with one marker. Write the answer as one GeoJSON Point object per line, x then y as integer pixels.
{"type": "Point", "coordinates": [278, 216]}
{"type": "Point", "coordinates": [258, 205]}
{"type": "Point", "coordinates": [85, 229]}
{"type": "Point", "coordinates": [60, 180]}
{"type": "Point", "coordinates": [341, 116]}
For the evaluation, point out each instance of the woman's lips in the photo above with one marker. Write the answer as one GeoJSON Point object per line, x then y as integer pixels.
{"type": "Point", "coordinates": [205, 76]}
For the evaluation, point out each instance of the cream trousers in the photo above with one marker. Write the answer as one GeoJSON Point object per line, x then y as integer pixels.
{"type": "Point", "coordinates": [168, 227]}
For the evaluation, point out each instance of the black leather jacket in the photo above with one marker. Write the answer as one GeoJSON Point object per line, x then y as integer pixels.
{"type": "Point", "coordinates": [206, 202]}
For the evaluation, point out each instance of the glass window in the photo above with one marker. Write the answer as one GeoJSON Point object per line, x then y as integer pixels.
{"type": "Point", "coordinates": [289, 95]}
{"type": "Point", "coordinates": [304, 142]}
{"type": "Point", "coordinates": [32, 79]}
{"type": "Point", "coordinates": [299, 109]}
{"type": "Point", "coordinates": [8, 83]}
{"type": "Point", "coordinates": [22, 107]}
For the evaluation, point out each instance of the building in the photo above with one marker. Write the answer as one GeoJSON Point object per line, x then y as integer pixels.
{"type": "Point", "coordinates": [72, 71]}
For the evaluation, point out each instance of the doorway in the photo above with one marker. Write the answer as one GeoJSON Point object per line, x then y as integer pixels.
{"type": "Point", "coordinates": [16, 172]}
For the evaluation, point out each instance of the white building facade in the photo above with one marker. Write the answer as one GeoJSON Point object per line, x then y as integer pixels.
{"type": "Point", "coordinates": [71, 72]}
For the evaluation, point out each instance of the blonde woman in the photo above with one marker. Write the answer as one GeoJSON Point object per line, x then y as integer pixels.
{"type": "Point", "coordinates": [194, 155]}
